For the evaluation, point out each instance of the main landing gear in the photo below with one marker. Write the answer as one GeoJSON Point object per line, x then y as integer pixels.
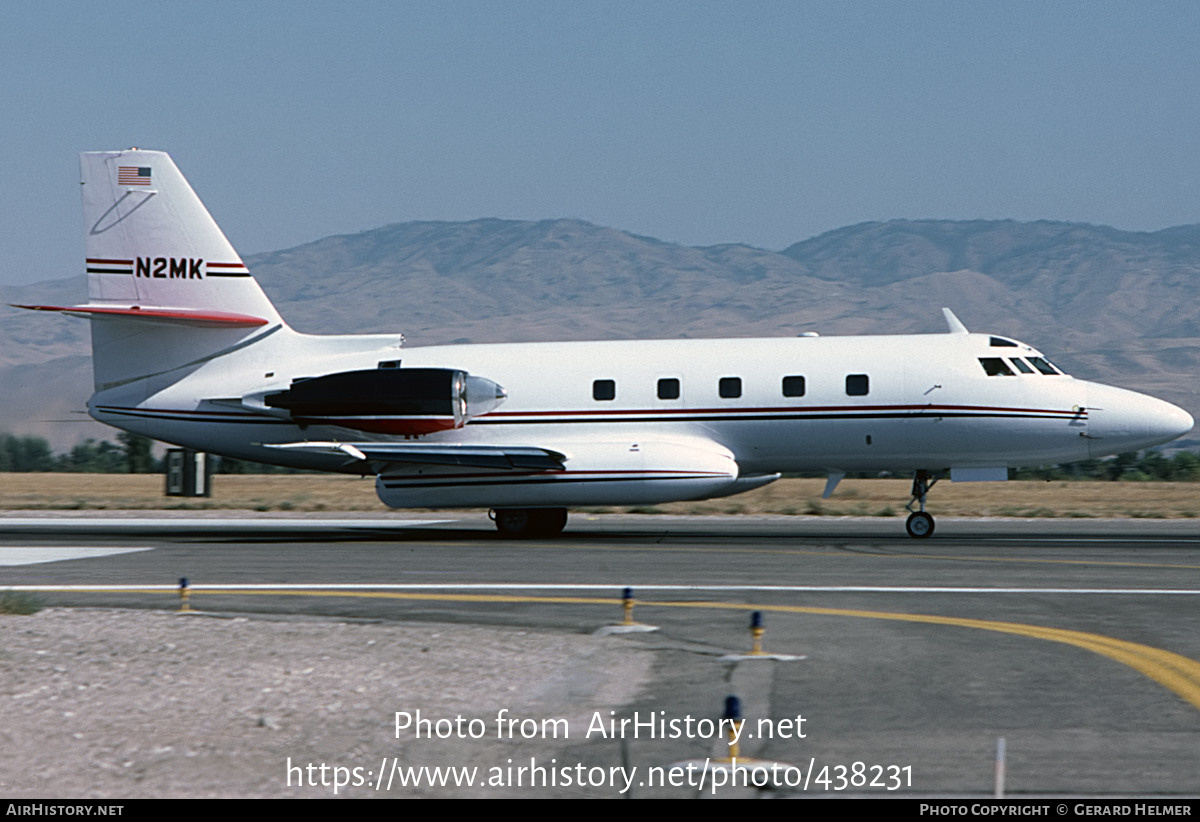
{"type": "Point", "coordinates": [920, 524]}
{"type": "Point", "coordinates": [528, 523]}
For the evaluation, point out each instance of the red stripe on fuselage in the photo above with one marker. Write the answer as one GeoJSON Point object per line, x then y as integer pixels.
{"type": "Point", "coordinates": [793, 408]}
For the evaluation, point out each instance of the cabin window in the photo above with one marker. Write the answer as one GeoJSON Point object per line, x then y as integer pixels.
{"type": "Point", "coordinates": [1021, 365]}
{"type": "Point", "coordinates": [995, 367]}
{"type": "Point", "coordinates": [857, 385]}
{"type": "Point", "coordinates": [604, 390]}
{"type": "Point", "coordinates": [729, 388]}
{"type": "Point", "coordinates": [668, 388]}
{"type": "Point", "coordinates": [1043, 366]}
{"type": "Point", "coordinates": [793, 386]}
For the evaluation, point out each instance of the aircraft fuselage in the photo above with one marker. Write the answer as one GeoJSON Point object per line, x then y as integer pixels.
{"type": "Point", "coordinates": [869, 403]}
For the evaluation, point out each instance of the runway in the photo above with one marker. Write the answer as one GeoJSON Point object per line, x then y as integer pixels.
{"type": "Point", "coordinates": [1075, 640]}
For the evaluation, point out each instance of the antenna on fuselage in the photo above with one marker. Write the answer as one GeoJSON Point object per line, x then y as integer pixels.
{"type": "Point", "coordinates": [956, 326]}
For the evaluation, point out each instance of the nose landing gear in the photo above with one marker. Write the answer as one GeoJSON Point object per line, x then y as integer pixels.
{"type": "Point", "coordinates": [920, 524]}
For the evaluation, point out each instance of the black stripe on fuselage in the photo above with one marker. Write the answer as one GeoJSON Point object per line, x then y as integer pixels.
{"type": "Point", "coordinates": [193, 416]}
{"type": "Point", "coordinates": [794, 416]}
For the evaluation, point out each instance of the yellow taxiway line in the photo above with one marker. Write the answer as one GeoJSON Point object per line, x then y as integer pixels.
{"type": "Point", "coordinates": [1177, 673]}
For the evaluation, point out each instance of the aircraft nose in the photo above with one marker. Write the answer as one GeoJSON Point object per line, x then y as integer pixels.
{"type": "Point", "coordinates": [1120, 420]}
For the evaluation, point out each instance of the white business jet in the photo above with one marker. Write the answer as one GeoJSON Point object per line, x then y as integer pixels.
{"type": "Point", "coordinates": [187, 349]}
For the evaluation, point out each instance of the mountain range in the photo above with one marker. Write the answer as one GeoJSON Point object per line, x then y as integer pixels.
{"type": "Point", "coordinates": [1104, 304]}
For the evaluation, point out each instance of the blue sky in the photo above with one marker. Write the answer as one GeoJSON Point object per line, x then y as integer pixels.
{"type": "Point", "coordinates": [699, 122]}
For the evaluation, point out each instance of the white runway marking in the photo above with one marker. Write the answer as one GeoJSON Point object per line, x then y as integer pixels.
{"type": "Point", "coordinates": [34, 554]}
{"type": "Point", "coordinates": [599, 588]}
{"type": "Point", "coordinates": [209, 523]}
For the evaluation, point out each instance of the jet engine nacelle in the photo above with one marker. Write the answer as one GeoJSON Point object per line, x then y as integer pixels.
{"type": "Point", "coordinates": [401, 401]}
{"type": "Point", "coordinates": [595, 473]}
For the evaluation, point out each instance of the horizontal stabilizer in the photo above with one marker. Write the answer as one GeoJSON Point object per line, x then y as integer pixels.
{"type": "Point", "coordinates": [477, 456]}
{"type": "Point", "coordinates": [172, 315]}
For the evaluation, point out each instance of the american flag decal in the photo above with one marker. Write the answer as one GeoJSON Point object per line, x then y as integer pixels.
{"type": "Point", "coordinates": [133, 176]}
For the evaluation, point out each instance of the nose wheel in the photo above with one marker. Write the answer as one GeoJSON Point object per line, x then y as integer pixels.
{"type": "Point", "coordinates": [920, 524]}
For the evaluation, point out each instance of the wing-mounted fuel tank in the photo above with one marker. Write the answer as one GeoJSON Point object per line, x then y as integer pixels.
{"type": "Point", "coordinates": [584, 473]}
{"type": "Point", "coordinates": [398, 401]}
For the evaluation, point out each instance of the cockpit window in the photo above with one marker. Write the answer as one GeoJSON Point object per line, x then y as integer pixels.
{"type": "Point", "coordinates": [995, 367]}
{"type": "Point", "coordinates": [1021, 365]}
{"type": "Point", "coordinates": [1043, 366]}
{"type": "Point", "coordinates": [1000, 342]}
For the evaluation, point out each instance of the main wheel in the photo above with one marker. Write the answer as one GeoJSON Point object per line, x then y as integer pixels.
{"type": "Point", "coordinates": [525, 523]}
{"type": "Point", "coordinates": [919, 525]}
{"type": "Point", "coordinates": [549, 522]}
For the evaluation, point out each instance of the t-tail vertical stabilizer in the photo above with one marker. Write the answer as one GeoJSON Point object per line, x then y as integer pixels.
{"type": "Point", "coordinates": [166, 289]}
